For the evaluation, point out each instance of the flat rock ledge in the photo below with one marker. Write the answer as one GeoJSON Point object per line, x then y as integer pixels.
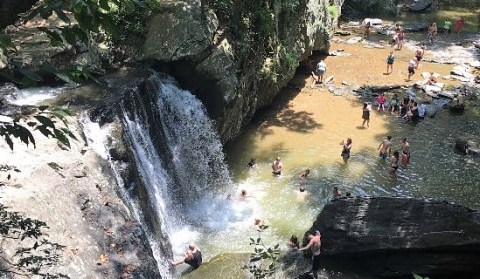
{"type": "Point", "coordinates": [395, 237]}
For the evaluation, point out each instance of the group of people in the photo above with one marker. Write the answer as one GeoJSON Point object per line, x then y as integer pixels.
{"type": "Point", "coordinates": [385, 152]}
{"type": "Point", "coordinates": [407, 109]}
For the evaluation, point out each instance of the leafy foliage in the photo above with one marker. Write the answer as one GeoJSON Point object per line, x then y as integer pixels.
{"type": "Point", "coordinates": [369, 7]}
{"type": "Point", "coordinates": [44, 122]}
{"type": "Point", "coordinates": [115, 18]}
{"type": "Point", "coordinates": [34, 252]}
{"type": "Point", "coordinates": [263, 261]}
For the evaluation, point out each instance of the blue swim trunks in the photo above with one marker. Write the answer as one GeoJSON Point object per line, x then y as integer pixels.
{"type": "Point", "coordinates": [383, 156]}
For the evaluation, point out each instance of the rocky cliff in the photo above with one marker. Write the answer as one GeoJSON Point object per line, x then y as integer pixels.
{"type": "Point", "coordinates": [394, 237]}
{"type": "Point", "coordinates": [237, 55]}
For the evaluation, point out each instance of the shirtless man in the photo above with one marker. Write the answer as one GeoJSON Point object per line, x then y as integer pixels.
{"type": "Point", "coordinates": [419, 54]}
{"type": "Point", "coordinates": [385, 148]}
{"type": "Point", "coordinates": [277, 166]}
{"type": "Point", "coordinates": [314, 243]}
{"type": "Point", "coordinates": [405, 152]}
{"type": "Point", "coordinates": [192, 257]}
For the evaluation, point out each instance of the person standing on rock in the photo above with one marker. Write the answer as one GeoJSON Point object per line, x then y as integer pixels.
{"type": "Point", "coordinates": [366, 115]}
{"type": "Point", "coordinates": [320, 70]}
{"type": "Point", "coordinates": [314, 244]}
{"type": "Point", "coordinates": [447, 27]}
{"type": "Point", "coordinates": [192, 257]}
{"type": "Point", "coordinates": [277, 167]}
{"type": "Point", "coordinates": [390, 60]}
{"type": "Point", "coordinates": [405, 152]}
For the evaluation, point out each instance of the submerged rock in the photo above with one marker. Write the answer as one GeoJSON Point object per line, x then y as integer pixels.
{"type": "Point", "coordinates": [394, 237]}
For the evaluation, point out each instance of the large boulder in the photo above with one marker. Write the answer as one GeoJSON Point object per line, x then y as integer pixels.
{"type": "Point", "coordinates": [231, 74]}
{"type": "Point", "coordinates": [10, 9]}
{"type": "Point", "coordinates": [394, 237]}
{"type": "Point", "coordinates": [420, 5]}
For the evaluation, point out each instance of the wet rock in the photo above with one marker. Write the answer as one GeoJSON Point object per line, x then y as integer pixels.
{"type": "Point", "coordinates": [373, 21]}
{"type": "Point", "coordinates": [462, 71]}
{"type": "Point", "coordinates": [461, 146]}
{"type": "Point", "coordinates": [354, 23]}
{"type": "Point", "coordinates": [417, 27]}
{"type": "Point", "coordinates": [456, 106]}
{"type": "Point", "coordinates": [354, 40]}
{"type": "Point", "coordinates": [420, 5]}
{"type": "Point", "coordinates": [342, 33]}
{"type": "Point", "coordinates": [475, 64]}
{"type": "Point", "coordinates": [394, 237]}
{"type": "Point", "coordinates": [382, 88]}
{"type": "Point", "coordinates": [467, 147]}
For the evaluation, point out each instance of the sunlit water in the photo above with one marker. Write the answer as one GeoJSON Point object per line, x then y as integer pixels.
{"type": "Point", "coordinates": [305, 130]}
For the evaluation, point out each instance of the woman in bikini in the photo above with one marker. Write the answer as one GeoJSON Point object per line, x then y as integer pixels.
{"type": "Point", "coordinates": [347, 146]}
{"type": "Point", "coordinates": [393, 165]}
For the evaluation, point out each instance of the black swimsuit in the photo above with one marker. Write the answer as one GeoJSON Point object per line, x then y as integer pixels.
{"type": "Point", "coordinates": [196, 261]}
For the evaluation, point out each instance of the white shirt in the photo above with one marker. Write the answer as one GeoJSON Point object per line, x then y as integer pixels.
{"type": "Point", "coordinates": [412, 63]}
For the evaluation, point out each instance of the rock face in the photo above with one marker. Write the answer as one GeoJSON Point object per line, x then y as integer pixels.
{"type": "Point", "coordinates": [9, 10]}
{"type": "Point", "coordinates": [393, 237]}
{"type": "Point", "coordinates": [236, 71]}
{"type": "Point", "coordinates": [75, 192]}
{"type": "Point", "coordinates": [420, 5]}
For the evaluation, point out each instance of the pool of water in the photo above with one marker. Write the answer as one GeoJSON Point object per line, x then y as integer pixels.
{"type": "Point", "coordinates": [305, 128]}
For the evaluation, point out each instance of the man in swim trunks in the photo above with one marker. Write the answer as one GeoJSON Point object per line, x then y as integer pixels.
{"type": "Point", "coordinates": [192, 257]}
{"type": "Point", "coordinates": [385, 148]}
{"type": "Point", "coordinates": [405, 152]}
{"type": "Point", "coordinates": [314, 244]}
{"type": "Point", "coordinates": [277, 166]}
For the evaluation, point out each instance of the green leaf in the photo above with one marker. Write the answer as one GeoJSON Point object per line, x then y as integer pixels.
{"type": "Point", "coordinates": [104, 5]}
{"type": "Point", "coordinates": [47, 122]}
{"type": "Point", "coordinates": [69, 133]}
{"type": "Point", "coordinates": [24, 134]}
{"type": "Point", "coordinates": [9, 141]}
{"type": "Point", "coordinates": [42, 108]}
{"type": "Point", "coordinates": [61, 15]}
{"type": "Point", "coordinates": [31, 75]}
{"type": "Point", "coordinates": [65, 78]}
{"type": "Point", "coordinates": [45, 131]}
{"type": "Point", "coordinates": [416, 276]}
{"type": "Point", "coordinates": [61, 137]}
{"type": "Point", "coordinates": [6, 42]}
{"type": "Point", "coordinates": [70, 36]}
{"type": "Point", "coordinates": [81, 34]}
{"type": "Point", "coordinates": [109, 26]}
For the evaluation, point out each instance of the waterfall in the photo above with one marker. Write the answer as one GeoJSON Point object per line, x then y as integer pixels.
{"type": "Point", "coordinates": [178, 158]}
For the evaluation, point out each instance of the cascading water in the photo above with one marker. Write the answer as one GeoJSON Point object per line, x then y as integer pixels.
{"type": "Point", "coordinates": [179, 160]}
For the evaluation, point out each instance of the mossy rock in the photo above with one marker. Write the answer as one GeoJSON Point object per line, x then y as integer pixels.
{"type": "Point", "coordinates": [221, 267]}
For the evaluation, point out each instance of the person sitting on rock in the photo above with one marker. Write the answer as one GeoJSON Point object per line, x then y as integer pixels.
{"type": "Point", "coordinates": [432, 79]}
